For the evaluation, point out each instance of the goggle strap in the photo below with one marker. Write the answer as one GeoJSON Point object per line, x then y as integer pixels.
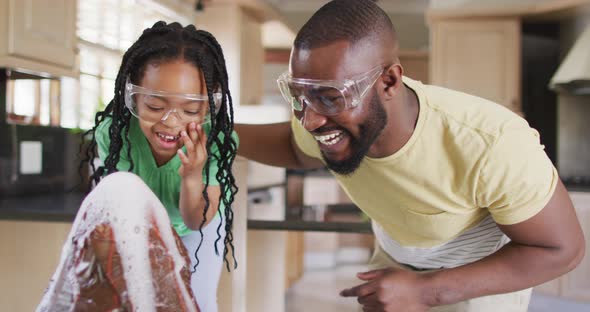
{"type": "Point", "coordinates": [363, 85]}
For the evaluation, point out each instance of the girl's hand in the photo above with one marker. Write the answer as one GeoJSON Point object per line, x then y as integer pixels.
{"type": "Point", "coordinates": [195, 141]}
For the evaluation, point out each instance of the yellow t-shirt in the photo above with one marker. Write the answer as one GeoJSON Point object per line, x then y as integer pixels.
{"type": "Point", "coordinates": [467, 158]}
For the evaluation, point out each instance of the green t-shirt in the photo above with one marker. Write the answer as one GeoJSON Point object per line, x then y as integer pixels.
{"type": "Point", "coordinates": [164, 181]}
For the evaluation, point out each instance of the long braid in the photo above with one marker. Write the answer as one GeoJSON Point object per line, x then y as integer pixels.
{"type": "Point", "coordinates": [228, 151]}
{"type": "Point", "coordinates": [89, 152]}
{"type": "Point", "coordinates": [208, 83]}
{"type": "Point", "coordinates": [169, 42]}
{"type": "Point", "coordinates": [221, 123]}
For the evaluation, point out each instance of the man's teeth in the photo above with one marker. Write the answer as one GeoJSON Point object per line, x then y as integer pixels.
{"type": "Point", "coordinates": [168, 137]}
{"type": "Point", "coordinates": [329, 139]}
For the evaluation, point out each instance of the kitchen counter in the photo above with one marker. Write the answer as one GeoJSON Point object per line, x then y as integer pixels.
{"type": "Point", "coordinates": [311, 226]}
{"type": "Point", "coordinates": [583, 189]}
{"type": "Point", "coordinates": [345, 218]}
{"type": "Point", "coordinates": [49, 207]}
{"type": "Point", "coordinates": [64, 206]}
{"type": "Point", "coordinates": [577, 187]}
{"type": "Point", "coordinates": [297, 220]}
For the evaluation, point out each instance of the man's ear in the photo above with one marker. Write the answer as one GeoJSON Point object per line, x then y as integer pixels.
{"type": "Point", "coordinates": [392, 79]}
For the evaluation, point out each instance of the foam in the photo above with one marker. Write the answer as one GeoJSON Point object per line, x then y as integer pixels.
{"type": "Point", "coordinates": [125, 203]}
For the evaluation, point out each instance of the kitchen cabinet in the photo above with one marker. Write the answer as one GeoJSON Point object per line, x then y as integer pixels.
{"type": "Point", "coordinates": [294, 259]}
{"type": "Point", "coordinates": [476, 45]}
{"type": "Point", "coordinates": [39, 36]}
{"type": "Point", "coordinates": [295, 240]}
{"type": "Point", "coordinates": [575, 285]}
{"type": "Point", "coordinates": [30, 252]}
{"type": "Point", "coordinates": [415, 64]}
{"type": "Point", "coordinates": [479, 57]}
{"type": "Point", "coordinates": [232, 291]}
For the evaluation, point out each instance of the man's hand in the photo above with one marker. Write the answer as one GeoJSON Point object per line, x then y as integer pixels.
{"type": "Point", "coordinates": [390, 290]}
{"type": "Point", "coordinates": [194, 140]}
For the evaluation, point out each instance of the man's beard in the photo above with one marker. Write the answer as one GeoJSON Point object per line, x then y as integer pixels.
{"type": "Point", "coordinates": [370, 129]}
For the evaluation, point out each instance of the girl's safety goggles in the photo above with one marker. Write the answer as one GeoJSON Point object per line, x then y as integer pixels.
{"type": "Point", "coordinates": [154, 106]}
{"type": "Point", "coordinates": [327, 97]}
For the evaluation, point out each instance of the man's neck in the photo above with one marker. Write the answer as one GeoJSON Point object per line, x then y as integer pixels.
{"type": "Point", "coordinates": [401, 122]}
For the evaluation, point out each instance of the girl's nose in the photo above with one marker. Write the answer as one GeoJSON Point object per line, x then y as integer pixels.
{"type": "Point", "coordinates": [166, 117]}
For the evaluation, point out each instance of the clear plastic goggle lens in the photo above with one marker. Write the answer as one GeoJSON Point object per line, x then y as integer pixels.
{"type": "Point", "coordinates": [327, 97]}
{"type": "Point", "coordinates": [155, 106]}
{"type": "Point", "coordinates": [325, 101]}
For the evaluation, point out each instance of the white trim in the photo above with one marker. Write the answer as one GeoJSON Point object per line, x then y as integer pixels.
{"type": "Point", "coordinates": [479, 241]}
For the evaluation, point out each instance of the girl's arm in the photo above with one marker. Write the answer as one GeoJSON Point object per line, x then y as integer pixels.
{"type": "Point", "coordinates": [192, 202]}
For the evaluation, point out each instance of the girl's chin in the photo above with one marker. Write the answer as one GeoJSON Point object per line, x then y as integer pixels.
{"type": "Point", "coordinates": [162, 157]}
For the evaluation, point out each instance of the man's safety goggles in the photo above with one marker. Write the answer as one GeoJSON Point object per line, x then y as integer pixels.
{"type": "Point", "coordinates": [154, 106]}
{"type": "Point", "coordinates": [326, 97]}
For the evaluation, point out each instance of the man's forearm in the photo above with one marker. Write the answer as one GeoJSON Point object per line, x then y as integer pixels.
{"type": "Point", "coordinates": [514, 267]}
{"type": "Point", "coordinates": [269, 144]}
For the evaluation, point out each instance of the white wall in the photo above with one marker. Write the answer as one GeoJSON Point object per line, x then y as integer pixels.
{"type": "Point", "coordinates": [240, 37]}
{"type": "Point", "coordinates": [224, 23]}
{"type": "Point", "coordinates": [412, 30]}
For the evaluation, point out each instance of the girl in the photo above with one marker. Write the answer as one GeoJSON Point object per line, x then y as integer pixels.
{"type": "Point", "coordinates": [170, 122]}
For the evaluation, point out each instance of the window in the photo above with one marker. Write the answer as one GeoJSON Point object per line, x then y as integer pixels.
{"type": "Point", "coordinates": [106, 29]}
{"type": "Point", "coordinates": [37, 98]}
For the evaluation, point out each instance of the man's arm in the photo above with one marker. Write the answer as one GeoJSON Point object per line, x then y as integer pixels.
{"type": "Point", "coordinates": [274, 145]}
{"type": "Point", "coordinates": [542, 248]}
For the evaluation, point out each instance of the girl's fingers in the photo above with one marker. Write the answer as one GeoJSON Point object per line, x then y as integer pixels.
{"type": "Point", "coordinates": [193, 132]}
{"type": "Point", "coordinates": [203, 137]}
{"type": "Point", "coordinates": [190, 146]}
{"type": "Point", "coordinates": [194, 141]}
{"type": "Point", "coordinates": [202, 140]}
{"type": "Point", "coordinates": [182, 156]}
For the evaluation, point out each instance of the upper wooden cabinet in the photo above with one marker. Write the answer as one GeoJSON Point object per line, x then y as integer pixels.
{"type": "Point", "coordinates": [479, 57]}
{"type": "Point", "coordinates": [39, 35]}
{"type": "Point", "coordinates": [415, 64]}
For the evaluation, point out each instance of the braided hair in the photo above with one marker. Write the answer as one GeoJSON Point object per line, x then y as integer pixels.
{"type": "Point", "coordinates": [348, 20]}
{"type": "Point", "coordinates": [167, 42]}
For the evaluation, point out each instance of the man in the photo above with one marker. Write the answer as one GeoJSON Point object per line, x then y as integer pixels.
{"type": "Point", "coordinates": [467, 209]}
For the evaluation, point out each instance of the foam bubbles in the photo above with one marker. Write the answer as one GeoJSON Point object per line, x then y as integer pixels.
{"type": "Point", "coordinates": [124, 203]}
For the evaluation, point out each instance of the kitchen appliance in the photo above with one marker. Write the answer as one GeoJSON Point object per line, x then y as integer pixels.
{"type": "Point", "coordinates": [573, 75]}
{"type": "Point", "coordinates": [560, 117]}
{"type": "Point", "coordinates": [37, 157]}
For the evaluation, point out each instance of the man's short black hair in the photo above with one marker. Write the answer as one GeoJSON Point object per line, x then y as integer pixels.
{"type": "Point", "coordinates": [348, 20]}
